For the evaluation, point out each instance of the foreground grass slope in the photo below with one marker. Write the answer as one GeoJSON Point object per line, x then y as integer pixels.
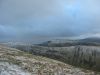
{"type": "Point", "coordinates": [16, 62]}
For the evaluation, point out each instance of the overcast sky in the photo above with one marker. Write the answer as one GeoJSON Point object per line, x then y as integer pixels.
{"type": "Point", "coordinates": [36, 19]}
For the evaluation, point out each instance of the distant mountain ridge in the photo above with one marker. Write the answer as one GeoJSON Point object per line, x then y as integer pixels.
{"type": "Point", "coordinates": [92, 41]}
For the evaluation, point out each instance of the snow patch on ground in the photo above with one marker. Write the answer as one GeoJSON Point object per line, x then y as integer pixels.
{"type": "Point", "coordinates": [11, 69]}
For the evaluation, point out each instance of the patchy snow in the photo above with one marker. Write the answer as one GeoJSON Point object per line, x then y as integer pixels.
{"type": "Point", "coordinates": [11, 69]}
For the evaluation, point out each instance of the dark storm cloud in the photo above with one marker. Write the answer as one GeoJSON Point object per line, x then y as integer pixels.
{"type": "Point", "coordinates": [48, 18]}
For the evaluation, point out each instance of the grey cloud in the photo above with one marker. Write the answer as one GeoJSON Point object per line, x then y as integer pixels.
{"type": "Point", "coordinates": [48, 18]}
{"type": "Point", "coordinates": [16, 10]}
